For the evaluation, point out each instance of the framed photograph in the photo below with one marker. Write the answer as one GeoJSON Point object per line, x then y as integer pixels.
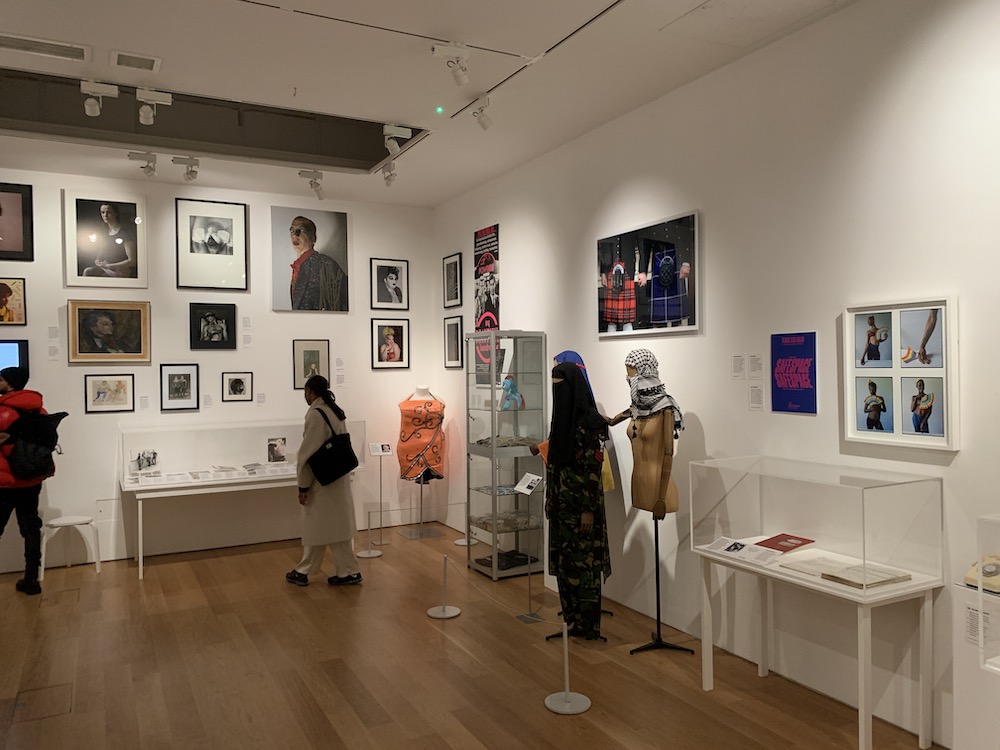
{"type": "Point", "coordinates": [108, 393]}
{"type": "Point", "coordinates": [237, 386]}
{"type": "Point", "coordinates": [105, 240]}
{"type": "Point", "coordinates": [309, 357]}
{"type": "Point", "coordinates": [105, 331]}
{"type": "Point", "coordinates": [13, 305]}
{"type": "Point", "coordinates": [390, 284]}
{"type": "Point", "coordinates": [213, 325]}
{"type": "Point", "coordinates": [212, 246]}
{"type": "Point", "coordinates": [453, 343]}
{"type": "Point", "coordinates": [901, 380]}
{"type": "Point", "coordinates": [452, 282]}
{"type": "Point", "coordinates": [179, 387]}
{"type": "Point", "coordinates": [14, 353]}
{"type": "Point", "coordinates": [649, 279]}
{"type": "Point", "coordinates": [390, 344]}
{"type": "Point", "coordinates": [17, 236]}
{"type": "Point", "coordinates": [321, 277]}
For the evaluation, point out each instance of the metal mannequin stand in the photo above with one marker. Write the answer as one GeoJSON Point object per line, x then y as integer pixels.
{"type": "Point", "coordinates": [658, 642]}
{"type": "Point", "coordinates": [421, 532]}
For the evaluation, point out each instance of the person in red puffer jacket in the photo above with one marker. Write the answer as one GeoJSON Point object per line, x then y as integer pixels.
{"type": "Point", "coordinates": [20, 496]}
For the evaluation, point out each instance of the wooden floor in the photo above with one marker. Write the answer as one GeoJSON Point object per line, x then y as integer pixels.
{"type": "Point", "coordinates": [215, 650]}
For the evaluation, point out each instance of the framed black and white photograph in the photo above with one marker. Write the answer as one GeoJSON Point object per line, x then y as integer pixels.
{"type": "Point", "coordinates": [237, 386]}
{"type": "Point", "coordinates": [212, 246]}
{"type": "Point", "coordinates": [649, 279]}
{"type": "Point", "coordinates": [901, 374]}
{"type": "Point", "coordinates": [309, 357]}
{"type": "Point", "coordinates": [390, 344]}
{"type": "Point", "coordinates": [13, 302]}
{"type": "Point", "coordinates": [453, 343]}
{"type": "Point", "coordinates": [309, 269]}
{"type": "Point", "coordinates": [179, 387]}
{"type": "Point", "coordinates": [105, 331]}
{"type": "Point", "coordinates": [213, 325]}
{"type": "Point", "coordinates": [17, 236]}
{"type": "Point", "coordinates": [390, 284]}
{"type": "Point", "coordinates": [109, 393]}
{"type": "Point", "coordinates": [105, 240]}
{"type": "Point", "coordinates": [452, 281]}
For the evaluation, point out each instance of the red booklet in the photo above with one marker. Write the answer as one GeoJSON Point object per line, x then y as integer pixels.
{"type": "Point", "coordinates": [785, 542]}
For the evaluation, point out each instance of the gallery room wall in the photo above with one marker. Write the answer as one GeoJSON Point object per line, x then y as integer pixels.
{"type": "Point", "coordinates": [852, 162]}
{"type": "Point", "coordinates": [87, 474]}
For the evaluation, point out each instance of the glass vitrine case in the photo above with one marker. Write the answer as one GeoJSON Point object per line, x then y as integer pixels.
{"type": "Point", "coordinates": [506, 388]}
{"type": "Point", "coordinates": [985, 576]}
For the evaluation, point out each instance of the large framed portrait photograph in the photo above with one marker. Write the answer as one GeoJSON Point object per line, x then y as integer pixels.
{"type": "Point", "coordinates": [17, 236]}
{"type": "Point", "coordinates": [453, 343]}
{"type": "Point", "coordinates": [105, 331]}
{"type": "Point", "coordinates": [237, 386]}
{"type": "Point", "coordinates": [105, 240]}
{"type": "Point", "coordinates": [451, 267]}
{"type": "Point", "coordinates": [309, 357]}
{"type": "Point", "coordinates": [212, 245]}
{"type": "Point", "coordinates": [649, 279]}
{"type": "Point", "coordinates": [108, 393]}
{"type": "Point", "coordinates": [213, 325]}
{"type": "Point", "coordinates": [179, 387]}
{"type": "Point", "coordinates": [316, 243]}
{"type": "Point", "coordinates": [901, 374]}
{"type": "Point", "coordinates": [390, 344]}
{"type": "Point", "coordinates": [13, 303]}
{"type": "Point", "coordinates": [390, 284]}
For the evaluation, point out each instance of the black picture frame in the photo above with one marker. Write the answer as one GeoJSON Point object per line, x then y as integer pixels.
{"type": "Point", "coordinates": [451, 279]}
{"type": "Point", "coordinates": [14, 353]}
{"type": "Point", "coordinates": [213, 247]}
{"type": "Point", "coordinates": [309, 357]}
{"type": "Point", "coordinates": [179, 387]}
{"type": "Point", "coordinates": [17, 233]}
{"type": "Point", "coordinates": [237, 386]}
{"type": "Point", "coordinates": [381, 291]}
{"type": "Point", "coordinates": [398, 356]}
{"type": "Point", "coordinates": [212, 325]}
{"type": "Point", "coordinates": [108, 393]}
{"type": "Point", "coordinates": [13, 301]}
{"type": "Point", "coordinates": [453, 343]}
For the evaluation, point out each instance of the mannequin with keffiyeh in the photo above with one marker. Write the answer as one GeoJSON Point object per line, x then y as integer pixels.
{"type": "Point", "coordinates": [656, 423]}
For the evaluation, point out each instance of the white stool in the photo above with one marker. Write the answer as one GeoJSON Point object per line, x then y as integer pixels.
{"type": "Point", "coordinates": [51, 527]}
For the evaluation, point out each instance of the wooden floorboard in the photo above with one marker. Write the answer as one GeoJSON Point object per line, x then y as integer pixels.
{"type": "Point", "coordinates": [215, 650]}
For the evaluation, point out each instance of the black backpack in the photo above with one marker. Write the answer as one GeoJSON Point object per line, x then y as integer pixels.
{"type": "Point", "coordinates": [34, 437]}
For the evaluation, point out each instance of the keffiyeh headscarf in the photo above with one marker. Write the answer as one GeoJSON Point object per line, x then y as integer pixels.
{"type": "Point", "coordinates": [649, 396]}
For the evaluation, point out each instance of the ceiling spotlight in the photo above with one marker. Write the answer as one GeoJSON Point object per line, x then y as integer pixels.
{"type": "Point", "coordinates": [149, 168]}
{"type": "Point", "coordinates": [479, 113]}
{"type": "Point", "coordinates": [389, 174]}
{"type": "Point", "coordinates": [191, 167]}
{"type": "Point", "coordinates": [315, 181]}
{"type": "Point", "coordinates": [392, 135]}
{"type": "Point", "coordinates": [457, 59]}
{"type": "Point", "coordinates": [150, 99]}
{"type": "Point", "coordinates": [95, 96]}
{"type": "Point", "coordinates": [392, 146]}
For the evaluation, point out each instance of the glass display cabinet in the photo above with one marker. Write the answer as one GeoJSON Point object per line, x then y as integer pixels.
{"type": "Point", "coordinates": [985, 576]}
{"type": "Point", "coordinates": [507, 377]}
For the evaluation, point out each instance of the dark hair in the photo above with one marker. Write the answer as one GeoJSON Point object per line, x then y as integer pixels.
{"type": "Point", "coordinates": [114, 210]}
{"type": "Point", "coordinates": [392, 271]}
{"type": "Point", "coordinates": [307, 226]}
{"type": "Point", "coordinates": [91, 318]}
{"type": "Point", "coordinates": [321, 387]}
{"type": "Point", "coordinates": [5, 291]}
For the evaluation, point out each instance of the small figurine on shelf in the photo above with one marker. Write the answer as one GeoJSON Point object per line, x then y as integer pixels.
{"type": "Point", "coordinates": [512, 398]}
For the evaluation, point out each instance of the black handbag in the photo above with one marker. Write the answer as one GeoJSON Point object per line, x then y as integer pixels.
{"type": "Point", "coordinates": [334, 458]}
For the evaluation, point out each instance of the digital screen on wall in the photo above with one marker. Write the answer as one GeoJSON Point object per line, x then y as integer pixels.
{"type": "Point", "coordinates": [14, 353]}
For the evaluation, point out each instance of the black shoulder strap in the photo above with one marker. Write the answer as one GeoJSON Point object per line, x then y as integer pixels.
{"type": "Point", "coordinates": [327, 420]}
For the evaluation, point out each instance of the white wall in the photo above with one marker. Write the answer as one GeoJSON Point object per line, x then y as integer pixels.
{"type": "Point", "coordinates": [853, 162]}
{"type": "Point", "coordinates": [86, 479]}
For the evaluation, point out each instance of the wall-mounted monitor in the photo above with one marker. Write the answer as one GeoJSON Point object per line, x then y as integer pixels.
{"type": "Point", "coordinates": [14, 353]}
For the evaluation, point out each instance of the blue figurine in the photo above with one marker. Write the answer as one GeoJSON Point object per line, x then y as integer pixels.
{"type": "Point", "coordinates": [512, 398]}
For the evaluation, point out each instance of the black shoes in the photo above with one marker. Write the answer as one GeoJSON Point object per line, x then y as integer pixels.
{"type": "Point", "coordinates": [350, 580]}
{"type": "Point", "coordinates": [299, 579]}
{"type": "Point", "coordinates": [31, 588]}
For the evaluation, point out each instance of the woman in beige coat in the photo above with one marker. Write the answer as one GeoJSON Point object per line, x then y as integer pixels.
{"type": "Point", "coordinates": [327, 512]}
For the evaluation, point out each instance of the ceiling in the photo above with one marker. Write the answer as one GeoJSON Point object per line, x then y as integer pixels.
{"type": "Point", "coordinates": [553, 70]}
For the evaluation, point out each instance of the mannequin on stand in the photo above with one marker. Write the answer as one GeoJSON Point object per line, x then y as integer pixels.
{"type": "Point", "coordinates": [656, 421]}
{"type": "Point", "coordinates": [421, 444]}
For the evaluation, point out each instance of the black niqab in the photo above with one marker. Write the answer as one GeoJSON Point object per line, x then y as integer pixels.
{"type": "Point", "coordinates": [572, 407]}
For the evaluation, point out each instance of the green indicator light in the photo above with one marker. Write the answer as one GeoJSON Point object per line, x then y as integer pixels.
{"type": "Point", "coordinates": [439, 110]}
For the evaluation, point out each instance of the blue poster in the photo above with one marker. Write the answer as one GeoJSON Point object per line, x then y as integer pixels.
{"type": "Point", "coordinates": [793, 372]}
